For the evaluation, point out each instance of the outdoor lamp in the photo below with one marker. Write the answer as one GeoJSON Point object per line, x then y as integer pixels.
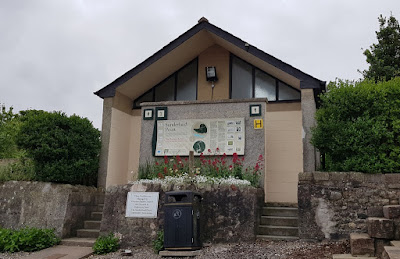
{"type": "Point", "coordinates": [211, 74]}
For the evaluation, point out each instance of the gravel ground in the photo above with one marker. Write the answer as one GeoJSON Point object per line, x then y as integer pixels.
{"type": "Point", "coordinates": [260, 249]}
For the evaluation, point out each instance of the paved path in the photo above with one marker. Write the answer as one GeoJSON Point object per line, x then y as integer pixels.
{"type": "Point", "coordinates": [62, 252]}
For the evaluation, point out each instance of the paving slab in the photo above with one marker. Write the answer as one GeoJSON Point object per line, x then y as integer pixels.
{"type": "Point", "coordinates": [392, 252]}
{"type": "Point", "coordinates": [179, 253]}
{"type": "Point", "coordinates": [62, 252]}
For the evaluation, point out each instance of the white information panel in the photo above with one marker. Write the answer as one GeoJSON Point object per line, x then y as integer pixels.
{"type": "Point", "coordinates": [207, 136]}
{"type": "Point", "coordinates": [142, 204]}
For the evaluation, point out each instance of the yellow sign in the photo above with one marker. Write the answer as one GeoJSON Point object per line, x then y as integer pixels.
{"type": "Point", "coordinates": [258, 124]}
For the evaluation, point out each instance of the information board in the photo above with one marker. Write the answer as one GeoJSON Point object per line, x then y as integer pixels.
{"type": "Point", "coordinates": [207, 136]}
{"type": "Point", "coordinates": [142, 204]}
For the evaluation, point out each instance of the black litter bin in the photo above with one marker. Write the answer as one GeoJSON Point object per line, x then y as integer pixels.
{"type": "Point", "coordinates": [182, 221]}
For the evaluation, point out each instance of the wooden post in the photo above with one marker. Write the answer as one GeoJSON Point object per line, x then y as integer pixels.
{"type": "Point", "coordinates": [191, 163]}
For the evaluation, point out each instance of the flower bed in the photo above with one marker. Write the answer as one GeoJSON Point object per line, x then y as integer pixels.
{"type": "Point", "coordinates": [207, 170]}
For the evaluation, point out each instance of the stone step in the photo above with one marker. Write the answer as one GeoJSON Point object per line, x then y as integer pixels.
{"type": "Point", "coordinates": [89, 233]}
{"type": "Point", "coordinates": [391, 252]}
{"type": "Point", "coordinates": [278, 230]}
{"type": "Point", "coordinates": [279, 221]}
{"type": "Point", "coordinates": [96, 215]}
{"type": "Point", "coordinates": [92, 224]}
{"type": "Point", "coordinates": [78, 241]}
{"type": "Point", "coordinates": [362, 244]}
{"type": "Point", "coordinates": [391, 211]}
{"type": "Point", "coordinates": [100, 198]}
{"type": "Point", "coordinates": [100, 207]}
{"type": "Point", "coordinates": [348, 256]}
{"type": "Point", "coordinates": [280, 211]}
{"type": "Point", "coordinates": [380, 227]}
{"type": "Point", "coordinates": [269, 237]}
{"type": "Point", "coordinates": [395, 243]}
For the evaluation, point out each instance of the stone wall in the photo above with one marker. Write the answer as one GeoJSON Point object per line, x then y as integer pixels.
{"type": "Point", "coordinates": [332, 205]}
{"type": "Point", "coordinates": [46, 205]}
{"type": "Point", "coordinates": [229, 213]}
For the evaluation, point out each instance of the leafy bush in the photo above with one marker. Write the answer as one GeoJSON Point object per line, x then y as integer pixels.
{"type": "Point", "coordinates": [21, 170]}
{"type": "Point", "coordinates": [215, 166]}
{"type": "Point", "coordinates": [27, 239]}
{"type": "Point", "coordinates": [158, 243]}
{"type": "Point", "coordinates": [358, 126]}
{"type": "Point", "coordinates": [63, 149]}
{"type": "Point", "coordinates": [9, 127]}
{"type": "Point", "coordinates": [106, 244]}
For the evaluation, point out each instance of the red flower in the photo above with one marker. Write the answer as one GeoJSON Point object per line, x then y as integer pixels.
{"type": "Point", "coordinates": [156, 163]}
{"type": "Point", "coordinates": [165, 170]}
{"type": "Point", "coordinates": [186, 159]}
{"type": "Point", "coordinates": [178, 159]}
{"type": "Point", "coordinates": [160, 175]}
{"type": "Point", "coordinates": [209, 150]}
{"type": "Point", "coordinates": [217, 149]}
{"type": "Point", "coordinates": [165, 160]}
{"type": "Point", "coordinates": [257, 167]}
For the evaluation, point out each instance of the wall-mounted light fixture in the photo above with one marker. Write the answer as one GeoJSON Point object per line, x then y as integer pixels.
{"type": "Point", "coordinates": [211, 74]}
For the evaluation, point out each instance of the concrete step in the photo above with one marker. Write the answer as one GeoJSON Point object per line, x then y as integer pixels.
{"type": "Point", "coordinates": [279, 221]}
{"type": "Point", "coordinates": [391, 252]}
{"type": "Point", "coordinates": [395, 243]}
{"type": "Point", "coordinates": [269, 237]}
{"type": "Point", "coordinates": [96, 215]}
{"type": "Point", "coordinates": [348, 256]}
{"type": "Point", "coordinates": [92, 224]}
{"type": "Point", "coordinates": [78, 241]}
{"type": "Point", "coordinates": [100, 207]}
{"type": "Point", "coordinates": [277, 230]}
{"type": "Point", "coordinates": [100, 198]}
{"type": "Point", "coordinates": [280, 211]}
{"type": "Point", "coordinates": [88, 233]}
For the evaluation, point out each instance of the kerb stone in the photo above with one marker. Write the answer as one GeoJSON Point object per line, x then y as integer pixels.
{"type": "Point", "coordinates": [362, 244]}
{"type": "Point", "coordinates": [380, 228]}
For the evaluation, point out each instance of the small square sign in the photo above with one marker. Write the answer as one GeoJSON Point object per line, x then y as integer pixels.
{"type": "Point", "coordinates": [161, 113]}
{"type": "Point", "coordinates": [148, 114]}
{"type": "Point", "coordinates": [258, 124]}
{"type": "Point", "coordinates": [255, 110]}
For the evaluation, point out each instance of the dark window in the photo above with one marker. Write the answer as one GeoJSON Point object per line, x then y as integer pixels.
{"type": "Point", "coordinates": [165, 91]}
{"type": "Point", "coordinates": [181, 86]}
{"type": "Point", "coordinates": [187, 83]}
{"type": "Point", "coordinates": [288, 93]}
{"type": "Point", "coordinates": [248, 81]}
{"type": "Point", "coordinates": [241, 79]}
{"type": "Point", "coordinates": [265, 86]}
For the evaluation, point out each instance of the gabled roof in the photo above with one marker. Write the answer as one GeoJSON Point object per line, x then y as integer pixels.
{"type": "Point", "coordinates": [306, 81]}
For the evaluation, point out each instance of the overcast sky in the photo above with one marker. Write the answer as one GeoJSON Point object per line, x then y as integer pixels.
{"type": "Point", "coordinates": [54, 54]}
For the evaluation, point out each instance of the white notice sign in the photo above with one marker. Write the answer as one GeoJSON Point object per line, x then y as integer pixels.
{"type": "Point", "coordinates": [142, 204]}
{"type": "Point", "coordinates": [207, 136]}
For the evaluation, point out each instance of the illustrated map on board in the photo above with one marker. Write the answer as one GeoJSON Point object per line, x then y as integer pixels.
{"type": "Point", "coordinates": [178, 137]}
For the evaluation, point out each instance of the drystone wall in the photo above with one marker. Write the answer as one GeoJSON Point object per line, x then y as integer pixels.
{"type": "Point", "coordinates": [228, 214]}
{"type": "Point", "coordinates": [46, 205]}
{"type": "Point", "coordinates": [334, 204]}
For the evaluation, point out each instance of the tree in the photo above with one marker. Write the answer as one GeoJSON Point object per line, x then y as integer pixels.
{"type": "Point", "coordinates": [358, 126]}
{"type": "Point", "coordinates": [64, 149]}
{"type": "Point", "coordinates": [384, 57]}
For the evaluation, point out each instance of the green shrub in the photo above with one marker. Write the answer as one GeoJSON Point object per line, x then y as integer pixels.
{"type": "Point", "coordinates": [358, 126]}
{"type": "Point", "coordinates": [21, 170]}
{"type": "Point", "coordinates": [9, 128]}
{"type": "Point", "coordinates": [158, 243]}
{"type": "Point", "coordinates": [106, 244]}
{"type": "Point", "coordinates": [27, 239]}
{"type": "Point", "coordinates": [63, 149]}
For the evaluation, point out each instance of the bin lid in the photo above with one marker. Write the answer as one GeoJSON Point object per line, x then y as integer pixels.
{"type": "Point", "coordinates": [182, 196]}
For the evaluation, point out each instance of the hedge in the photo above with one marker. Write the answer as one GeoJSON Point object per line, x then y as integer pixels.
{"type": "Point", "coordinates": [358, 126]}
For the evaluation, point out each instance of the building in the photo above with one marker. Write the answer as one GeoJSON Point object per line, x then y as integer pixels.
{"type": "Point", "coordinates": [176, 75]}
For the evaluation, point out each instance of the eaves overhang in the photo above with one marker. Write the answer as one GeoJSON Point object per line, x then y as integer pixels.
{"type": "Point", "coordinates": [306, 80]}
